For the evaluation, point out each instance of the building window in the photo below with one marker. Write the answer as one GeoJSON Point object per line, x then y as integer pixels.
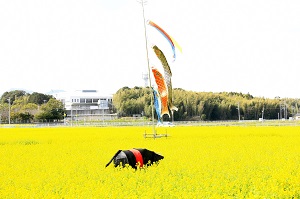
{"type": "Point", "coordinates": [95, 100]}
{"type": "Point", "coordinates": [88, 100]}
{"type": "Point", "coordinates": [75, 100]}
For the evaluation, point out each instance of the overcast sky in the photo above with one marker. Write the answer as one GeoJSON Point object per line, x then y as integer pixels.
{"type": "Point", "coordinates": [248, 46]}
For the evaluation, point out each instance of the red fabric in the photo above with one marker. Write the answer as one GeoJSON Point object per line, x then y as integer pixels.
{"type": "Point", "coordinates": [138, 156]}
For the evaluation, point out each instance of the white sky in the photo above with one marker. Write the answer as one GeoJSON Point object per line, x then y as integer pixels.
{"type": "Point", "coordinates": [234, 45]}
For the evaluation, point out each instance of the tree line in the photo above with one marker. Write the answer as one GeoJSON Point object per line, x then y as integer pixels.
{"type": "Point", "coordinates": [206, 105]}
{"type": "Point", "coordinates": [22, 107]}
{"type": "Point", "coordinates": [192, 106]}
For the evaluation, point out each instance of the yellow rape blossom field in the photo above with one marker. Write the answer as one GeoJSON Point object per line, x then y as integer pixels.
{"type": "Point", "coordinates": [200, 162]}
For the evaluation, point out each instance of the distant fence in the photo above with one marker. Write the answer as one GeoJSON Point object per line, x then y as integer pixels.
{"type": "Point", "coordinates": [149, 123]}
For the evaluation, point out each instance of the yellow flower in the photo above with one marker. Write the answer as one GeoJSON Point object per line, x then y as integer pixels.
{"type": "Point", "coordinates": [200, 162]}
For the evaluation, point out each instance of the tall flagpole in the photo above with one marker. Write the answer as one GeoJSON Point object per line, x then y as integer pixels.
{"type": "Point", "coordinates": [143, 2]}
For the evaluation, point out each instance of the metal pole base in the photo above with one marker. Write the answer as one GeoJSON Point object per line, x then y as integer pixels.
{"type": "Point", "coordinates": [155, 135]}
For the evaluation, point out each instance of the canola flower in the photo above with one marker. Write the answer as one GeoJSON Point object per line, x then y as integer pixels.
{"type": "Point", "coordinates": [200, 162]}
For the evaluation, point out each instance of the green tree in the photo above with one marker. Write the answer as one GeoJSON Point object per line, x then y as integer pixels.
{"type": "Point", "coordinates": [204, 105]}
{"type": "Point", "coordinates": [19, 117]}
{"type": "Point", "coordinates": [53, 110]}
{"type": "Point", "coordinates": [39, 98]}
{"type": "Point", "coordinates": [132, 101]}
{"type": "Point", "coordinates": [13, 95]}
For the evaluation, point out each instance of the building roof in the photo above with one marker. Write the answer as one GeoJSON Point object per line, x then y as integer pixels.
{"type": "Point", "coordinates": [82, 94]}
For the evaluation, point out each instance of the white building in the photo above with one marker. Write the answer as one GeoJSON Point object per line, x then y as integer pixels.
{"type": "Point", "coordinates": [87, 105]}
{"type": "Point", "coordinates": [297, 116]}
